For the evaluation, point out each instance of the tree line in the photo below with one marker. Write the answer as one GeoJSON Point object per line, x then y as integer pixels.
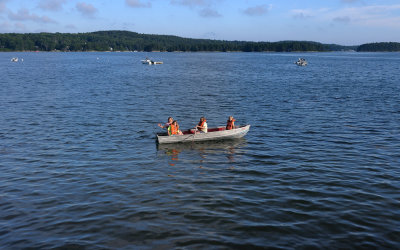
{"type": "Point", "coordinates": [132, 41]}
{"type": "Point", "coordinates": [379, 47]}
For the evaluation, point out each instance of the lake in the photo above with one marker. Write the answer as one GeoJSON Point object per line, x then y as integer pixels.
{"type": "Point", "coordinates": [80, 167]}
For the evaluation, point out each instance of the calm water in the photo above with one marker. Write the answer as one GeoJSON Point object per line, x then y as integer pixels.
{"type": "Point", "coordinates": [79, 166]}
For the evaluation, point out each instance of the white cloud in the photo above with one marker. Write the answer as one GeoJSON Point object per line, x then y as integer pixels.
{"type": "Point", "coordinates": [205, 7]}
{"type": "Point", "coordinates": [343, 19]}
{"type": "Point", "coordinates": [137, 4]}
{"type": "Point", "coordinates": [259, 10]}
{"type": "Point", "coordinates": [373, 15]}
{"type": "Point", "coordinates": [3, 5]}
{"type": "Point", "coordinates": [52, 5]}
{"type": "Point", "coordinates": [207, 12]}
{"type": "Point", "coordinates": [302, 13]}
{"type": "Point", "coordinates": [189, 3]}
{"type": "Point", "coordinates": [86, 9]}
{"type": "Point", "coordinates": [25, 15]}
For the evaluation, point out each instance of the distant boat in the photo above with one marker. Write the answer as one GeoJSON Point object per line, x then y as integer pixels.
{"type": "Point", "coordinates": [213, 134]}
{"type": "Point", "coordinates": [301, 62]}
{"type": "Point", "coordinates": [14, 59]}
{"type": "Point", "coordinates": [150, 62]}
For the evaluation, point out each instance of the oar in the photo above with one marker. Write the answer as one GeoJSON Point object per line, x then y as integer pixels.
{"type": "Point", "coordinates": [195, 129]}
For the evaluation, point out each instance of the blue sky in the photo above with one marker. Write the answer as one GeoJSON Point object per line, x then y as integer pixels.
{"type": "Point", "coordinates": [346, 22]}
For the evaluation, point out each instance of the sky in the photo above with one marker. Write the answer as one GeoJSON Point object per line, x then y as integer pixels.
{"type": "Point", "coordinates": [344, 22]}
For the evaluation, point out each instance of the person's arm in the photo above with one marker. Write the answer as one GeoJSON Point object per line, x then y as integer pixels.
{"type": "Point", "coordinates": [166, 125]}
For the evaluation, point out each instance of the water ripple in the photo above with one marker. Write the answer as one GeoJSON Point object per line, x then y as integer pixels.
{"type": "Point", "coordinates": [79, 167]}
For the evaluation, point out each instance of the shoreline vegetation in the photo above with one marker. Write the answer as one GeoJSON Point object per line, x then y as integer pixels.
{"type": "Point", "coordinates": [126, 41]}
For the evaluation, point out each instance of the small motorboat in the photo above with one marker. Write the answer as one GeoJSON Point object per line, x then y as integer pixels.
{"type": "Point", "coordinates": [301, 62]}
{"type": "Point", "coordinates": [213, 134]}
{"type": "Point", "coordinates": [150, 62]}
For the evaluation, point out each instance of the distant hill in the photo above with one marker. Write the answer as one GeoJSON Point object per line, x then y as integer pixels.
{"type": "Point", "coordinates": [336, 47]}
{"type": "Point", "coordinates": [379, 47]}
{"type": "Point", "coordinates": [132, 41]}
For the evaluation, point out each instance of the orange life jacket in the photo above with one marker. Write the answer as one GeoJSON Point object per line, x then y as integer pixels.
{"type": "Point", "coordinates": [229, 124]}
{"type": "Point", "coordinates": [174, 129]}
{"type": "Point", "coordinates": [201, 123]}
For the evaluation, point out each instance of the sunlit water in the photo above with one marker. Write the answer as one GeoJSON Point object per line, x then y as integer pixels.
{"type": "Point", "coordinates": [79, 165]}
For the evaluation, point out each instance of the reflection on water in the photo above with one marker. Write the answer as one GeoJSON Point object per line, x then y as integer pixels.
{"type": "Point", "coordinates": [173, 153]}
{"type": "Point", "coordinates": [203, 150]}
{"type": "Point", "coordinates": [210, 145]}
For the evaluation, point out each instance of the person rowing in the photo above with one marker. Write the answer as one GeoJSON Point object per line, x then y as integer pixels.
{"type": "Point", "coordinates": [202, 125]}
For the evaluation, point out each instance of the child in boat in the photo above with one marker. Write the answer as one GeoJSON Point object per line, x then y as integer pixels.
{"type": "Point", "coordinates": [173, 129]}
{"type": "Point", "coordinates": [202, 126]}
{"type": "Point", "coordinates": [166, 125]}
{"type": "Point", "coordinates": [230, 124]}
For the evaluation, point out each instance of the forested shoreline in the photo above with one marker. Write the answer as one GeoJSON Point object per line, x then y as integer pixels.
{"type": "Point", "coordinates": [379, 47]}
{"type": "Point", "coordinates": [132, 41]}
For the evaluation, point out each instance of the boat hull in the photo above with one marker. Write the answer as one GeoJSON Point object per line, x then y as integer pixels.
{"type": "Point", "coordinates": [219, 134]}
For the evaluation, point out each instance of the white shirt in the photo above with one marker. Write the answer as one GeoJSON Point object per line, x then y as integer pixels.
{"type": "Point", "coordinates": [205, 127]}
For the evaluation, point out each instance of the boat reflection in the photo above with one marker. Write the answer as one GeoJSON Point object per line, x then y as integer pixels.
{"type": "Point", "coordinates": [173, 153]}
{"type": "Point", "coordinates": [202, 151]}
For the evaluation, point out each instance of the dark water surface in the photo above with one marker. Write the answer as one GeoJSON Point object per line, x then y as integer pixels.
{"type": "Point", "coordinates": [79, 166]}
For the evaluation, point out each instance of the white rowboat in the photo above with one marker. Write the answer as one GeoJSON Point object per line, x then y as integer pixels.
{"type": "Point", "coordinates": [213, 134]}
